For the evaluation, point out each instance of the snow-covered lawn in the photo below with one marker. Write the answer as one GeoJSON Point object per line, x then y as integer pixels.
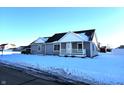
{"type": "Point", "coordinates": [118, 51]}
{"type": "Point", "coordinates": [6, 52]}
{"type": "Point", "coordinates": [104, 69]}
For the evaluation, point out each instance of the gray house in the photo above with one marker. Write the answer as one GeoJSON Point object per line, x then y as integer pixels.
{"type": "Point", "coordinates": [38, 46]}
{"type": "Point", "coordinates": [77, 43]}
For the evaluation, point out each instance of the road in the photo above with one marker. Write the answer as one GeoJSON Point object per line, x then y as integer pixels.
{"type": "Point", "coordinates": [11, 76]}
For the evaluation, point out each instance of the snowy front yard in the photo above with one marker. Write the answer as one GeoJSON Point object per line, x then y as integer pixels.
{"type": "Point", "coordinates": [104, 69]}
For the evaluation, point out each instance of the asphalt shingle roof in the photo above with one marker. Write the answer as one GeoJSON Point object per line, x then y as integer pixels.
{"type": "Point", "coordinates": [57, 36]}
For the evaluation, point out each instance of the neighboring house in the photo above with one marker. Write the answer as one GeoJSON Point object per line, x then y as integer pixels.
{"type": "Point", "coordinates": [9, 46]}
{"type": "Point", "coordinates": [76, 43]}
{"type": "Point", "coordinates": [2, 47]}
{"type": "Point", "coordinates": [22, 48]}
{"type": "Point", "coordinates": [38, 46]}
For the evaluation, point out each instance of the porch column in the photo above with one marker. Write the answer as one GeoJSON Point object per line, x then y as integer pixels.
{"type": "Point", "coordinates": [70, 48]}
{"type": "Point", "coordinates": [60, 49]}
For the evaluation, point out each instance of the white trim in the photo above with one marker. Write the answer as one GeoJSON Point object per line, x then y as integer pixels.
{"type": "Point", "coordinates": [42, 40]}
{"type": "Point", "coordinates": [64, 36]}
{"type": "Point", "coordinates": [52, 42]}
{"type": "Point", "coordinates": [78, 36]}
{"type": "Point", "coordinates": [68, 48]}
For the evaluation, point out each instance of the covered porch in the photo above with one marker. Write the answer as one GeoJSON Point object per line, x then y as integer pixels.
{"type": "Point", "coordinates": [72, 49]}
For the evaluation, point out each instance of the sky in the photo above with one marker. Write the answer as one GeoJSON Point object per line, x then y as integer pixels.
{"type": "Point", "coordinates": [23, 25]}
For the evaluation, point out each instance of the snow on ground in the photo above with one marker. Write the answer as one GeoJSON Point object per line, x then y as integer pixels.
{"type": "Point", "coordinates": [106, 68]}
{"type": "Point", "coordinates": [6, 52]}
{"type": "Point", "coordinates": [118, 51]}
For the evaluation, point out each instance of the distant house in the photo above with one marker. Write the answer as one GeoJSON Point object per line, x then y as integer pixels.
{"type": "Point", "coordinates": [38, 46]}
{"type": "Point", "coordinates": [8, 46]}
{"type": "Point", "coordinates": [121, 47]}
{"type": "Point", "coordinates": [2, 47]}
{"type": "Point", "coordinates": [77, 43]}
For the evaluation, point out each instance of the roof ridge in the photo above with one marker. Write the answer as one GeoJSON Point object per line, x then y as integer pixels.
{"type": "Point", "coordinates": [85, 30]}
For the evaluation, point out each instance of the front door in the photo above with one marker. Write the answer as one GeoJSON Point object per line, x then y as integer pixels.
{"type": "Point", "coordinates": [68, 48]}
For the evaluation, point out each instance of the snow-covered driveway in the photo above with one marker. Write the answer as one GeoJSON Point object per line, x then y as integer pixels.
{"type": "Point", "coordinates": [103, 69]}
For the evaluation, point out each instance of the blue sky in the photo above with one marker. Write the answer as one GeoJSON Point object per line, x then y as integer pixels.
{"type": "Point", "coordinates": [23, 25]}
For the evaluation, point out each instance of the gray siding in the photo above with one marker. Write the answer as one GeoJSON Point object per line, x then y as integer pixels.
{"type": "Point", "coordinates": [37, 48]}
{"type": "Point", "coordinates": [91, 49]}
{"type": "Point", "coordinates": [94, 50]}
{"type": "Point", "coordinates": [34, 49]}
{"type": "Point", "coordinates": [87, 47]}
{"type": "Point", "coordinates": [43, 48]}
{"type": "Point", "coordinates": [50, 51]}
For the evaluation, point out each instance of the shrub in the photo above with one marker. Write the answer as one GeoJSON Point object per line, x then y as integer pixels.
{"type": "Point", "coordinates": [109, 50]}
{"type": "Point", "coordinates": [26, 51]}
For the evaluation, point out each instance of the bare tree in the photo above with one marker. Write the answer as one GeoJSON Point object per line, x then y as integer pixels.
{"type": "Point", "coordinates": [2, 46]}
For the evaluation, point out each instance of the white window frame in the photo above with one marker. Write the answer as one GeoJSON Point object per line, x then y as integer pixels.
{"type": "Point", "coordinates": [54, 48]}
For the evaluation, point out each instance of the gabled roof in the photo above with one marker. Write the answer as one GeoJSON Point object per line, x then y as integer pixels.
{"type": "Point", "coordinates": [40, 40]}
{"type": "Point", "coordinates": [88, 33]}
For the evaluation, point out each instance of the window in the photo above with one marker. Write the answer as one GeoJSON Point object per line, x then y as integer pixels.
{"type": "Point", "coordinates": [63, 45]}
{"type": "Point", "coordinates": [39, 48]}
{"type": "Point", "coordinates": [79, 47]}
{"type": "Point", "coordinates": [56, 47]}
